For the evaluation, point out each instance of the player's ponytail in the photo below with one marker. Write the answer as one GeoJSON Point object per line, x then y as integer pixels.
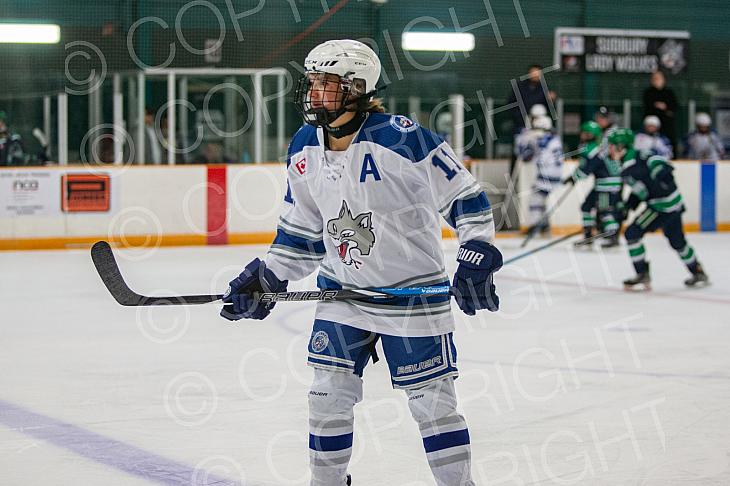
{"type": "Point", "coordinates": [375, 105]}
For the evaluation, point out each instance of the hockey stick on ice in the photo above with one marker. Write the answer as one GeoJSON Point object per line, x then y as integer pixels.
{"type": "Point", "coordinates": [545, 217]}
{"type": "Point", "coordinates": [108, 270]}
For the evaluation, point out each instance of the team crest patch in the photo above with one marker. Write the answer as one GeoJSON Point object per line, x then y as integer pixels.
{"type": "Point", "coordinates": [320, 340]}
{"type": "Point", "coordinates": [403, 123]}
{"type": "Point", "coordinates": [352, 235]}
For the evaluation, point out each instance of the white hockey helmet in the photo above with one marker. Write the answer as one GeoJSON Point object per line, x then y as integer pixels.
{"type": "Point", "coordinates": [543, 123]}
{"type": "Point", "coordinates": [358, 69]}
{"type": "Point", "coordinates": [538, 110]}
{"type": "Point", "coordinates": [703, 119]}
{"type": "Point", "coordinates": [652, 121]}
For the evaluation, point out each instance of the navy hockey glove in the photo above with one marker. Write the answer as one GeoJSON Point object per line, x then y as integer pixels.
{"type": "Point", "coordinates": [238, 299]}
{"type": "Point", "coordinates": [473, 280]}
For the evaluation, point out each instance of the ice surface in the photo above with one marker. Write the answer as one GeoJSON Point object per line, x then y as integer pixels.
{"type": "Point", "coordinates": [574, 381]}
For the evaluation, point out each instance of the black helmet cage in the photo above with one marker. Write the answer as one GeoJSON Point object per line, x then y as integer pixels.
{"type": "Point", "coordinates": [348, 92]}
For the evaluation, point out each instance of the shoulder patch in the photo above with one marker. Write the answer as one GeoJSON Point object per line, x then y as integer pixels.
{"type": "Point", "coordinates": [402, 123]}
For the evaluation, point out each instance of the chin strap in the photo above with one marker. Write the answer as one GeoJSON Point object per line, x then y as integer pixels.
{"type": "Point", "coordinates": [348, 128]}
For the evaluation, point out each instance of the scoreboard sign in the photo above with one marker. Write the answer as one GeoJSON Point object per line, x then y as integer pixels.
{"type": "Point", "coordinates": [586, 50]}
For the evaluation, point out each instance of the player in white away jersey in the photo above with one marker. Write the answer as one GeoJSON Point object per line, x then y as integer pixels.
{"type": "Point", "coordinates": [365, 192]}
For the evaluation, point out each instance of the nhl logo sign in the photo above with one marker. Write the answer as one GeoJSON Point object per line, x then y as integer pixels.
{"type": "Point", "coordinates": [320, 340]}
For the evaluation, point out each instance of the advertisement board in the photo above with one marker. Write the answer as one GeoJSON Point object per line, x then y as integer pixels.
{"type": "Point", "coordinates": [587, 50]}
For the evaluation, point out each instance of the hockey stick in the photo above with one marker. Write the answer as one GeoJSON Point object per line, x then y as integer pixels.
{"type": "Point", "coordinates": [390, 292]}
{"type": "Point", "coordinates": [108, 269]}
{"type": "Point", "coordinates": [542, 247]}
{"type": "Point", "coordinates": [532, 229]}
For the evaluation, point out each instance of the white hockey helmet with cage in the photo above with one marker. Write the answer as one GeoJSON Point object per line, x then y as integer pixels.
{"type": "Point", "coordinates": [652, 121]}
{"type": "Point", "coordinates": [346, 58]}
{"type": "Point", "coordinates": [538, 110]}
{"type": "Point", "coordinates": [358, 69]}
{"type": "Point", "coordinates": [703, 119]}
{"type": "Point", "coordinates": [543, 123]}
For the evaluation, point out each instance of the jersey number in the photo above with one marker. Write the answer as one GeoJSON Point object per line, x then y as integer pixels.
{"type": "Point", "coordinates": [450, 173]}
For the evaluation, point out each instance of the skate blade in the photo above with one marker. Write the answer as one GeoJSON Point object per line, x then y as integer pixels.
{"type": "Point", "coordinates": [644, 287]}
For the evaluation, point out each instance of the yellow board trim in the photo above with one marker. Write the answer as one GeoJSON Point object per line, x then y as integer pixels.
{"type": "Point", "coordinates": [76, 242]}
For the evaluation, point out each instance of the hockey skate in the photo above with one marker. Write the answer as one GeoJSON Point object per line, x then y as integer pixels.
{"type": "Point", "coordinates": [349, 480]}
{"type": "Point", "coordinates": [698, 278]}
{"type": "Point", "coordinates": [641, 280]}
{"type": "Point", "coordinates": [610, 241]}
{"type": "Point", "coordinates": [586, 242]}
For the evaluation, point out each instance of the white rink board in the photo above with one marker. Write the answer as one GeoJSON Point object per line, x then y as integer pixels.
{"type": "Point", "coordinates": [172, 201]}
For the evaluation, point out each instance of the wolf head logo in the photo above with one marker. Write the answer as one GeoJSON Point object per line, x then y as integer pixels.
{"type": "Point", "coordinates": [351, 233]}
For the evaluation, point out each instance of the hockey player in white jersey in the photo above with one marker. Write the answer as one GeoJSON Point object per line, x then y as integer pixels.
{"type": "Point", "coordinates": [365, 191]}
{"type": "Point", "coordinates": [703, 143]}
{"type": "Point", "coordinates": [526, 140]}
{"type": "Point", "coordinates": [546, 151]}
{"type": "Point", "coordinates": [651, 140]}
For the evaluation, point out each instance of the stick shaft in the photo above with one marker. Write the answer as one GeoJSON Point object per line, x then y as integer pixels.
{"type": "Point", "coordinates": [546, 216]}
{"type": "Point", "coordinates": [542, 247]}
{"type": "Point", "coordinates": [108, 270]}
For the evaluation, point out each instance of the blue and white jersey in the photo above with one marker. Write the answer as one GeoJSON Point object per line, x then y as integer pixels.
{"type": "Point", "coordinates": [657, 143]}
{"type": "Point", "coordinates": [548, 162]}
{"type": "Point", "coordinates": [526, 143]}
{"type": "Point", "coordinates": [704, 146]}
{"type": "Point", "coordinates": [369, 217]}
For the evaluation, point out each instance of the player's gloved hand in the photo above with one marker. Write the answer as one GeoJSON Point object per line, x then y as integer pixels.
{"type": "Point", "coordinates": [239, 301]}
{"type": "Point", "coordinates": [473, 279]}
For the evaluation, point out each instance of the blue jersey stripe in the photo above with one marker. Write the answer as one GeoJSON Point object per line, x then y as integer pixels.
{"type": "Point", "coordinates": [412, 142]}
{"type": "Point", "coordinates": [305, 136]}
{"type": "Point", "coordinates": [325, 283]}
{"type": "Point", "coordinates": [471, 205]}
{"type": "Point", "coordinates": [325, 361]}
{"type": "Point", "coordinates": [310, 246]}
{"type": "Point", "coordinates": [329, 444]}
{"type": "Point", "coordinates": [446, 440]}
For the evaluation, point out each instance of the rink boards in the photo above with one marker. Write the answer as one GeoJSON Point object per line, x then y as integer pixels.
{"type": "Point", "coordinates": [58, 207]}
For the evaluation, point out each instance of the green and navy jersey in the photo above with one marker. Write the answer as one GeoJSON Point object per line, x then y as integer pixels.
{"type": "Point", "coordinates": [607, 172]}
{"type": "Point", "coordinates": [651, 179]}
{"type": "Point", "coordinates": [370, 216]}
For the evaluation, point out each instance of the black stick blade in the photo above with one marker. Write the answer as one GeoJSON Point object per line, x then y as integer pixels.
{"type": "Point", "coordinates": [108, 270]}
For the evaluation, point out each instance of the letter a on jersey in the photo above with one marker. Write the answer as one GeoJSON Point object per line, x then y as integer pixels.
{"type": "Point", "coordinates": [369, 167]}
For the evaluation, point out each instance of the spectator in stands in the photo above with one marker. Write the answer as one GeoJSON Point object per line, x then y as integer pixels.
{"type": "Point", "coordinates": [212, 153]}
{"type": "Point", "coordinates": [660, 101]}
{"type": "Point", "coordinates": [531, 93]}
{"type": "Point", "coordinates": [703, 143]}
{"type": "Point", "coordinates": [651, 138]}
{"type": "Point", "coordinates": [12, 151]}
{"type": "Point", "coordinates": [153, 150]}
